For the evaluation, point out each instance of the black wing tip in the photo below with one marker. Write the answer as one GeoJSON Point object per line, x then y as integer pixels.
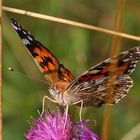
{"type": "Point", "coordinates": [25, 36]}
{"type": "Point", "coordinates": [13, 21]}
{"type": "Point", "coordinates": [15, 24]}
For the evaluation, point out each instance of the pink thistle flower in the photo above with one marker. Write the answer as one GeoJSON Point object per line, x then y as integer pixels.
{"type": "Point", "coordinates": [51, 127]}
{"type": "Point", "coordinates": [81, 132]}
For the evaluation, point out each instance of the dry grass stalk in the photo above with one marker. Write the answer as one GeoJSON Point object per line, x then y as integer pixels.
{"type": "Point", "coordinates": [0, 69]}
{"type": "Point", "coordinates": [72, 23]}
{"type": "Point", "coordinates": [115, 49]}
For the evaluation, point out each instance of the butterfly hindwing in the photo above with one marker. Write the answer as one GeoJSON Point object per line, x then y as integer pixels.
{"type": "Point", "coordinates": [108, 81]}
{"type": "Point", "coordinates": [46, 61]}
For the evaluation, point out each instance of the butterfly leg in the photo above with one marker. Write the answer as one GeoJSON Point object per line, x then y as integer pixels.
{"type": "Point", "coordinates": [66, 117]}
{"type": "Point", "coordinates": [80, 113]}
{"type": "Point", "coordinates": [43, 103]}
{"type": "Point", "coordinates": [81, 107]}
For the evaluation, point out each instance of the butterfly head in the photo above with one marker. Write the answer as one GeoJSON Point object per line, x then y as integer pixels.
{"type": "Point", "coordinates": [57, 95]}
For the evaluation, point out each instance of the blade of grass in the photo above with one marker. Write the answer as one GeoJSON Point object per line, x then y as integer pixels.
{"type": "Point", "coordinates": [133, 133]}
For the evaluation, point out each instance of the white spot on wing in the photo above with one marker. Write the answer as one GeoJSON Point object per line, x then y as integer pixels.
{"type": "Point", "coordinates": [126, 60]}
{"type": "Point", "coordinates": [24, 32]}
{"type": "Point", "coordinates": [26, 41]}
{"type": "Point", "coordinates": [125, 52]}
{"type": "Point", "coordinates": [30, 38]}
{"type": "Point", "coordinates": [100, 88]}
{"type": "Point", "coordinates": [15, 27]}
{"type": "Point", "coordinates": [18, 25]}
{"type": "Point", "coordinates": [98, 81]}
{"type": "Point", "coordinates": [117, 100]}
{"type": "Point", "coordinates": [133, 66]}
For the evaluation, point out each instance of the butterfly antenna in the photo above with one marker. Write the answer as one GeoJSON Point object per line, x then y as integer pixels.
{"type": "Point", "coordinates": [27, 76]}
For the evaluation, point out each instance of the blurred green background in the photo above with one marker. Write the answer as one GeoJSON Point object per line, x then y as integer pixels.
{"type": "Point", "coordinates": [77, 48]}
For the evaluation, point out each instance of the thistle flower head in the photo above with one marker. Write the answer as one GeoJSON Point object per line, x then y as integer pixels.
{"type": "Point", "coordinates": [51, 127]}
{"type": "Point", "coordinates": [81, 132]}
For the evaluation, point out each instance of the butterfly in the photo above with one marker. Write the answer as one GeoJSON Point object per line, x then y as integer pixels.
{"type": "Point", "coordinates": [105, 83]}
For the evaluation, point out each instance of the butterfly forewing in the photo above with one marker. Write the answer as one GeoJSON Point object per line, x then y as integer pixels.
{"type": "Point", "coordinates": [55, 73]}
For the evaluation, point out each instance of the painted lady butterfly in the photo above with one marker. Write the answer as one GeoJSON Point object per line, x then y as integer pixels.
{"type": "Point", "coordinates": [105, 83]}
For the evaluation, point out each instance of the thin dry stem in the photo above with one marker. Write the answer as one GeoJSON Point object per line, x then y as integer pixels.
{"type": "Point", "coordinates": [115, 49]}
{"type": "Point", "coordinates": [72, 23]}
{"type": "Point", "coordinates": [0, 69]}
{"type": "Point", "coordinates": [106, 122]}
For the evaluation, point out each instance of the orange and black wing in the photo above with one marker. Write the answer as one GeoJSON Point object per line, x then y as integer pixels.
{"type": "Point", "coordinates": [108, 81]}
{"type": "Point", "coordinates": [55, 73]}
